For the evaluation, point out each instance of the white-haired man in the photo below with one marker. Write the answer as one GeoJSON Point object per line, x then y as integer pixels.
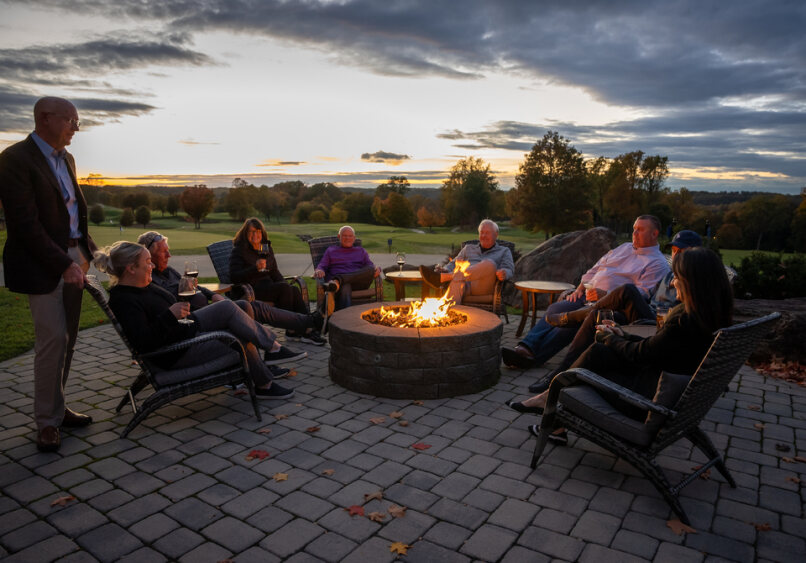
{"type": "Point", "coordinates": [345, 267]}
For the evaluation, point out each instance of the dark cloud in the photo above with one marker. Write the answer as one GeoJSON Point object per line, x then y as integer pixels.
{"type": "Point", "coordinates": [385, 157]}
{"type": "Point", "coordinates": [282, 163]}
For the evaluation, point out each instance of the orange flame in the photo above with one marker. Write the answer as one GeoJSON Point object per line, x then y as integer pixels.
{"type": "Point", "coordinates": [426, 313]}
{"type": "Point", "coordinates": [461, 266]}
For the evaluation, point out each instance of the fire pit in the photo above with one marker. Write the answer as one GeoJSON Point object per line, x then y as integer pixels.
{"type": "Point", "coordinates": [414, 363]}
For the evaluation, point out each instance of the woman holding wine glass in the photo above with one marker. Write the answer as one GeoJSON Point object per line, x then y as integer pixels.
{"type": "Point", "coordinates": [150, 317]}
{"type": "Point", "coordinates": [252, 262]}
{"type": "Point", "coordinates": [706, 305]}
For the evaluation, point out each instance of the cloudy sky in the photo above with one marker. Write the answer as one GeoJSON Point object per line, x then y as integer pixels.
{"type": "Point", "coordinates": [353, 91]}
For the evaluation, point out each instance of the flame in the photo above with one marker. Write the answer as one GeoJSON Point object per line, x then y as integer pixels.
{"type": "Point", "coordinates": [428, 312]}
{"type": "Point", "coordinates": [461, 266]}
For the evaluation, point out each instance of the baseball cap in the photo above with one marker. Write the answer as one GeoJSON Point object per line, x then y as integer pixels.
{"type": "Point", "coordinates": [686, 239]}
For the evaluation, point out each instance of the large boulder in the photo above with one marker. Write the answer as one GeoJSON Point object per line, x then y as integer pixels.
{"type": "Point", "coordinates": [785, 340]}
{"type": "Point", "coordinates": [563, 258]}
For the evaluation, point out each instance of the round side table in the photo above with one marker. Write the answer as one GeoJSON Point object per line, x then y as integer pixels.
{"type": "Point", "coordinates": [529, 289]}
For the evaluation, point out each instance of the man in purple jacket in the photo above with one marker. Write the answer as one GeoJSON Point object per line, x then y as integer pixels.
{"type": "Point", "coordinates": [344, 268]}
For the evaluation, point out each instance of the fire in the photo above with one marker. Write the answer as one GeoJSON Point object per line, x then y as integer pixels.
{"type": "Point", "coordinates": [429, 312]}
{"type": "Point", "coordinates": [461, 266]}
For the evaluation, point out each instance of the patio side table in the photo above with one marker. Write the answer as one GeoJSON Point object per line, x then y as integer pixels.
{"type": "Point", "coordinates": [529, 290]}
{"type": "Point", "coordinates": [401, 279]}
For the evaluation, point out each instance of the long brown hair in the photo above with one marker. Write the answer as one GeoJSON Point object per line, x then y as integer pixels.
{"type": "Point", "coordinates": [240, 236]}
{"type": "Point", "coordinates": [707, 295]}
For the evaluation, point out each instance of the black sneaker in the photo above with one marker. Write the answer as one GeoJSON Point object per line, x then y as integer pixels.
{"type": "Point", "coordinates": [282, 356]}
{"type": "Point", "coordinates": [312, 337]}
{"type": "Point", "coordinates": [274, 391]}
{"type": "Point", "coordinates": [318, 321]}
{"type": "Point", "coordinates": [278, 372]}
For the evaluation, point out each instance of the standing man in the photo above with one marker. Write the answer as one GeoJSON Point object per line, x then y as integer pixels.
{"type": "Point", "coordinates": [47, 254]}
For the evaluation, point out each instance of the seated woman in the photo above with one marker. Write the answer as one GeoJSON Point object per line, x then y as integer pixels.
{"type": "Point", "coordinates": [150, 317]}
{"type": "Point", "coordinates": [706, 305]}
{"type": "Point", "coordinates": [249, 264]}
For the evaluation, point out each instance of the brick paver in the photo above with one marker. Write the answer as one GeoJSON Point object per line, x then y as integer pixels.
{"type": "Point", "coordinates": [180, 488]}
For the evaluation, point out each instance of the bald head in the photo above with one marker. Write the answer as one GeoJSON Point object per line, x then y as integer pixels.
{"type": "Point", "coordinates": [56, 121]}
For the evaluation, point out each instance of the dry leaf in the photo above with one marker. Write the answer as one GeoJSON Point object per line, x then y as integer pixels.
{"type": "Point", "coordinates": [706, 475]}
{"type": "Point", "coordinates": [264, 431]}
{"type": "Point", "coordinates": [418, 403]}
{"type": "Point", "coordinates": [420, 446]}
{"type": "Point", "coordinates": [758, 426]}
{"type": "Point", "coordinates": [328, 472]}
{"type": "Point", "coordinates": [298, 404]}
{"type": "Point", "coordinates": [753, 407]}
{"type": "Point", "coordinates": [800, 459]}
{"type": "Point", "coordinates": [62, 501]}
{"type": "Point", "coordinates": [765, 527]}
{"type": "Point", "coordinates": [292, 373]}
{"type": "Point", "coordinates": [403, 423]}
{"type": "Point", "coordinates": [378, 495]}
{"type": "Point", "coordinates": [312, 429]}
{"type": "Point", "coordinates": [257, 454]}
{"type": "Point", "coordinates": [793, 479]}
{"type": "Point", "coordinates": [678, 527]}
{"type": "Point", "coordinates": [397, 511]}
{"type": "Point", "coordinates": [280, 477]}
{"type": "Point", "coordinates": [378, 420]}
{"type": "Point", "coordinates": [376, 516]}
{"type": "Point", "coordinates": [787, 460]}
{"type": "Point", "coordinates": [355, 510]}
{"type": "Point", "coordinates": [240, 392]}
{"type": "Point", "coordinates": [396, 414]}
{"type": "Point", "coordinates": [280, 416]}
{"type": "Point", "coordinates": [399, 548]}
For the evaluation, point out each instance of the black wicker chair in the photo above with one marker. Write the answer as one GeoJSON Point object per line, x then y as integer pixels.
{"type": "Point", "coordinates": [318, 246]}
{"type": "Point", "coordinates": [676, 411]}
{"type": "Point", "coordinates": [220, 253]}
{"type": "Point", "coordinates": [230, 369]}
{"type": "Point", "coordinates": [494, 301]}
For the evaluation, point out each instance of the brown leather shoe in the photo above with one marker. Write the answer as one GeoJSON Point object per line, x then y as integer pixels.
{"type": "Point", "coordinates": [74, 419]}
{"type": "Point", "coordinates": [520, 357]}
{"type": "Point", "coordinates": [48, 440]}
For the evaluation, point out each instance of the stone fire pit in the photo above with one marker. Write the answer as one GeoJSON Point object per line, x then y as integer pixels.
{"type": "Point", "coordinates": [414, 363]}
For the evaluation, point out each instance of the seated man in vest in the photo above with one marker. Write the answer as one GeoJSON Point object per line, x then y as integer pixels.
{"type": "Point", "coordinates": [639, 262]}
{"type": "Point", "coordinates": [476, 267]}
{"type": "Point", "coordinates": [345, 268]}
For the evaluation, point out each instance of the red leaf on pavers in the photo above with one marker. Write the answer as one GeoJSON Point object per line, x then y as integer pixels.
{"type": "Point", "coordinates": [800, 459]}
{"type": "Point", "coordinates": [378, 420]}
{"type": "Point", "coordinates": [378, 495]}
{"type": "Point", "coordinates": [313, 429]}
{"type": "Point", "coordinates": [280, 477]}
{"type": "Point", "coordinates": [678, 527]}
{"type": "Point", "coordinates": [257, 454]}
{"type": "Point", "coordinates": [759, 426]}
{"type": "Point", "coordinates": [396, 414]}
{"type": "Point", "coordinates": [291, 373]}
{"type": "Point", "coordinates": [418, 403]}
{"type": "Point", "coordinates": [782, 447]}
{"type": "Point", "coordinates": [264, 431]}
{"type": "Point", "coordinates": [62, 501]}
{"type": "Point", "coordinates": [793, 479]}
{"type": "Point", "coordinates": [765, 527]}
{"type": "Point", "coordinates": [754, 407]}
{"type": "Point", "coordinates": [399, 547]}
{"type": "Point", "coordinates": [376, 516]}
{"type": "Point", "coordinates": [240, 392]}
{"type": "Point", "coordinates": [705, 474]}
{"type": "Point", "coordinates": [328, 472]}
{"type": "Point", "coordinates": [280, 416]}
{"type": "Point", "coordinates": [403, 423]}
{"type": "Point", "coordinates": [355, 510]}
{"type": "Point", "coordinates": [787, 460]}
{"type": "Point", "coordinates": [420, 446]}
{"type": "Point", "coordinates": [397, 511]}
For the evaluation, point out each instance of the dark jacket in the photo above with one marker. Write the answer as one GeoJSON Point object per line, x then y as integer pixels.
{"type": "Point", "coordinates": [35, 255]}
{"type": "Point", "coordinates": [242, 267]}
{"type": "Point", "coordinates": [144, 314]}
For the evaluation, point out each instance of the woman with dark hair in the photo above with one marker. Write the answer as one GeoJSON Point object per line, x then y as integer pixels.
{"type": "Point", "coordinates": [252, 262]}
{"type": "Point", "coordinates": [678, 347]}
{"type": "Point", "coordinates": [150, 318]}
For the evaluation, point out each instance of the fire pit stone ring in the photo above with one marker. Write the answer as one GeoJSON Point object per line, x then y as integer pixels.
{"type": "Point", "coordinates": [414, 363]}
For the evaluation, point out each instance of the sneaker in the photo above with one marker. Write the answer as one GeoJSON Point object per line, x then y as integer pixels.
{"type": "Point", "coordinates": [274, 391]}
{"type": "Point", "coordinates": [312, 337]}
{"type": "Point", "coordinates": [318, 321]}
{"type": "Point", "coordinates": [282, 356]}
{"type": "Point", "coordinates": [278, 372]}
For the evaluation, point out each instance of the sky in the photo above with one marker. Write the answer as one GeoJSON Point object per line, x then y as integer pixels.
{"type": "Point", "coordinates": [183, 92]}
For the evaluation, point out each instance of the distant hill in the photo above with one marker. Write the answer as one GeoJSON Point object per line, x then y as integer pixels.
{"type": "Point", "coordinates": [712, 199]}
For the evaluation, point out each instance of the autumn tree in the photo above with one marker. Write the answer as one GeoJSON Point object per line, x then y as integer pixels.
{"type": "Point", "coordinates": [430, 215]}
{"type": "Point", "coordinates": [197, 201]}
{"type": "Point", "coordinates": [239, 202]}
{"type": "Point", "coordinates": [358, 207]}
{"type": "Point", "coordinates": [765, 221]}
{"type": "Point", "coordinates": [551, 188]}
{"type": "Point", "coordinates": [395, 210]}
{"type": "Point", "coordinates": [97, 214]}
{"type": "Point", "coordinates": [270, 203]}
{"type": "Point", "coordinates": [467, 192]}
{"type": "Point", "coordinates": [142, 215]}
{"type": "Point", "coordinates": [397, 184]}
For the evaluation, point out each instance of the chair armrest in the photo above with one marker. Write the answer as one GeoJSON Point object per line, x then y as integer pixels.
{"type": "Point", "coordinates": [378, 281]}
{"type": "Point", "coordinates": [303, 288]}
{"type": "Point", "coordinates": [221, 335]}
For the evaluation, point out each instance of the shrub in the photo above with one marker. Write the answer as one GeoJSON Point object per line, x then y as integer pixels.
{"type": "Point", "coordinates": [766, 276]}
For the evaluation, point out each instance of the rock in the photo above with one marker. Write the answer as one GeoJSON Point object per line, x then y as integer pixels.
{"type": "Point", "coordinates": [785, 340]}
{"type": "Point", "coordinates": [562, 258]}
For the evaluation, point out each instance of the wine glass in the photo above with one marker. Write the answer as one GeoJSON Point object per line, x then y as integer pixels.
{"type": "Point", "coordinates": [604, 317]}
{"type": "Point", "coordinates": [187, 289]}
{"type": "Point", "coordinates": [263, 254]}
{"type": "Point", "coordinates": [401, 260]}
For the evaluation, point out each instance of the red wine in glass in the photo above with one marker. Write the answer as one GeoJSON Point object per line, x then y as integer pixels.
{"type": "Point", "coordinates": [263, 254]}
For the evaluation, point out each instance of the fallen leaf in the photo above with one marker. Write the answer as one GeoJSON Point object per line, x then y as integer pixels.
{"type": "Point", "coordinates": [397, 511]}
{"type": "Point", "coordinates": [787, 460]}
{"type": "Point", "coordinates": [378, 495]}
{"type": "Point", "coordinates": [298, 404]}
{"type": "Point", "coordinates": [418, 403]}
{"type": "Point", "coordinates": [378, 420]}
{"type": "Point", "coordinates": [800, 459]}
{"type": "Point", "coordinates": [292, 373]}
{"type": "Point", "coordinates": [264, 431]}
{"type": "Point", "coordinates": [678, 527]}
{"type": "Point", "coordinates": [399, 548]}
{"type": "Point", "coordinates": [312, 429]}
{"type": "Point", "coordinates": [706, 475]}
{"type": "Point", "coordinates": [280, 477]}
{"type": "Point", "coordinates": [328, 472]}
{"type": "Point", "coordinates": [782, 447]}
{"type": "Point", "coordinates": [420, 446]}
{"type": "Point", "coordinates": [257, 454]}
{"type": "Point", "coordinates": [758, 426]}
{"type": "Point", "coordinates": [403, 423]}
{"type": "Point", "coordinates": [793, 479]}
{"type": "Point", "coordinates": [355, 510]}
{"type": "Point", "coordinates": [280, 416]}
{"type": "Point", "coordinates": [765, 527]}
{"type": "Point", "coordinates": [376, 516]}
{"type": "Point", "coordinates": [753, 407]}
{"type": "Point", "coordinates": [62, 501]}
{"type": "Point", "coordinates": [240, 392]}
{"type": "Point", "coordinates": [396, 414]}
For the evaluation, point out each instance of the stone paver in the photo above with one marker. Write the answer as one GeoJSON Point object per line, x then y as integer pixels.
{"type": "Point", "coordinates": [179, 488]}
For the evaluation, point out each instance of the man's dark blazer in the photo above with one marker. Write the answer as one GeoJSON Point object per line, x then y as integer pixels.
{"type": "Point", "coordinates": [35, 255]}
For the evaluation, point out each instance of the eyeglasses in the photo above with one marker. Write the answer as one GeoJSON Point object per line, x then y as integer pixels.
{"type": "Point", "coordinates": [150, 239]}
{"type": "Point", "coordinates": [73, 122]}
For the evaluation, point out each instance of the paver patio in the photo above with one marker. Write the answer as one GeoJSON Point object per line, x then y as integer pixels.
{"type": "Point", "coordinates": [180, 487]}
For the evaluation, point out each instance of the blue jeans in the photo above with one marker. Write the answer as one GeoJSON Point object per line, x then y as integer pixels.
{"type": "Point", "coordinates": [544, 340]}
